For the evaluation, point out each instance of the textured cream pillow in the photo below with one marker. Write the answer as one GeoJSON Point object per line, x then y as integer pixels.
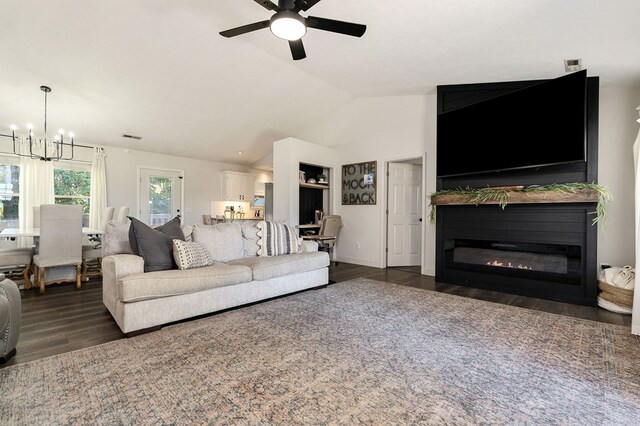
{"type": "Point", "coordinates": [189, 255]}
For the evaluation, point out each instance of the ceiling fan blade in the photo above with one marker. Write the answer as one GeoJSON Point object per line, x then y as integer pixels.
{"type": "Point", "coordinates": [267, 4]}
{"type": "Point", "coordinates": [245, 29]}
{"type": "Point", "coordinates": [305, 5]}
{"type": "Point", "coordinates": [347, 28]}
{"type": "Point", "coordinates": [297, 49]}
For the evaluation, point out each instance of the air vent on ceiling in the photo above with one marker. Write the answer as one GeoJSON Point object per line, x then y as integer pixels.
{"type": "Point", "coordinates": [571, 65]}
{"type": "Point", "coordinates": [132, 137]}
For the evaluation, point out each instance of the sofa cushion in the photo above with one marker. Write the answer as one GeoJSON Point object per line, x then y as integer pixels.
{"type": "Point", "coordinates": [265, 268]}
{"type": "Point", "coordinates": [153, 285]}
{"type": "Point", "coordinates": [189, 255]}
{"type": "Point", "coordinates": [155, 245]}
{"type": "Point", "coordinates": [277, 239]}
{"type": "Point", "coordinates": [223, 240]}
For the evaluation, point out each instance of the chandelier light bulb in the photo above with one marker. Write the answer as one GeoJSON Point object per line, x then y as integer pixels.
{"type": "Point", "coordinates": [288, 25]}
{"type": "Point", "coordinates": [40, 149]}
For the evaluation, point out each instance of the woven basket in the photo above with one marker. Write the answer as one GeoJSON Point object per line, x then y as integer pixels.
{"type": "Point", "coordinates": [616, 298]}
{"type": "Point", "coordinates": [604, 286]}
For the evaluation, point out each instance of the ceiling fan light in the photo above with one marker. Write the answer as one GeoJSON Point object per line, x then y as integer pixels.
{"type": "Point", "coordinates": [288, 25]}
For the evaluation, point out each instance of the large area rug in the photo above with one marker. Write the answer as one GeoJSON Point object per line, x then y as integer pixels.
{"type": "Point", "coordinates": [358, 352]}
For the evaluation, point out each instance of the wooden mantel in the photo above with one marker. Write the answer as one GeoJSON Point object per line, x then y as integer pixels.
{"type": "Point", "coordinates": [523, 197]}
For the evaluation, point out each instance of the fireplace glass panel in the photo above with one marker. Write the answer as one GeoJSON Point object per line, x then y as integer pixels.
{"type": "Point", "coordinates": [548, 262]}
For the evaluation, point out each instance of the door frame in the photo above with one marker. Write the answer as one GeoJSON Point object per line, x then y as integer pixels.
{"type": "Point", "coordinates": [161, 169]}
{"type": "Point", "coordinates": [385, 205]}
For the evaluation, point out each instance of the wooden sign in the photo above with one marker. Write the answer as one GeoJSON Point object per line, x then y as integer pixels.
{"type": "Point", "coordinates": [359, 183]}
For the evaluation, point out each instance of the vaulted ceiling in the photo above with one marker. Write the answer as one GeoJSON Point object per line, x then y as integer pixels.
{"type": "Point", "coordinates": [159, 69]}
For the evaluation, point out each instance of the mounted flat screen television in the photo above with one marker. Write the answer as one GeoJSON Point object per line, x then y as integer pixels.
{"type": "Point", "coordinates": [541, 125]}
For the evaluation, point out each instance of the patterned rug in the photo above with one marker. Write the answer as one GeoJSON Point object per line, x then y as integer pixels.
{"type": "Point", "coordinates": [358, 352]}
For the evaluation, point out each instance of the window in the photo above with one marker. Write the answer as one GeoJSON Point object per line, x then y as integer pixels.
{"type": "Point", "coordinates": [9, 193]}
{"type": "Point", "coordinates": [72, 185]}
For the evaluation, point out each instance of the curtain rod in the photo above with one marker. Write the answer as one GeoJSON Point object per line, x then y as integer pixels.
{"type": "Point", "coordinates": [66, 144]}
{"type": "Point", "coordinates": [11, 154]}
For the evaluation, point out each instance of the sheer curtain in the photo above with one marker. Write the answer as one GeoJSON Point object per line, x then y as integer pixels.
{"type": "Point", "coordinates": [98, 195]}
{"type": "Point", "coordinates": [36, 186]}
{"type": "Point", "coordinates": [635, 321]}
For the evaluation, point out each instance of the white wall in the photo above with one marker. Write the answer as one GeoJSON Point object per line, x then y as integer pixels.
{"type": "Point", "coordinates": [287, 155]}
{"type": "Point", "coordinates": [390, 128]}
{"type": "Point", "coordinates": [202, 181]}
{"type": "Point", "coordinates": [618, 130]}
{"type": "Point", "coordinates": [381, 129]}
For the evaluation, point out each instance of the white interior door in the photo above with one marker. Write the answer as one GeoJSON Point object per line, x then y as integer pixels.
{"type": "Point", "coordinates": [160, 195]}
{"type": "Point", "coordinates": [404, 207]}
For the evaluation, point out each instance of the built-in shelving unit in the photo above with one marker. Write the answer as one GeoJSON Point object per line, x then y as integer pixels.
{"type": "Point", "coordinates": [313, 196]}
{"type": "Point", "coordinates": [314, 185]}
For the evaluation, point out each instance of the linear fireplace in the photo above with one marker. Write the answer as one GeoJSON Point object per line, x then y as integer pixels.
{"type": "Point", "coordinates": [540, 250]}
{"type": "Point", "coordinates": [540, 261]}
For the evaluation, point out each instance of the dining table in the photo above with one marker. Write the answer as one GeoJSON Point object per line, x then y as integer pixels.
{"type": "Point", "coordinates": [13, 233]}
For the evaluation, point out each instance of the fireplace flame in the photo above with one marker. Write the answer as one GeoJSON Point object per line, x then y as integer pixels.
{"type": "Point", "coordinates": [509, 265]}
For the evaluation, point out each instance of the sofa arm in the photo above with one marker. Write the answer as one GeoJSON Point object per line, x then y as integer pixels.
{"type": "Point", "coordinates": [114, 268]}
{"type": "Point", "coordinates": [309, 246]}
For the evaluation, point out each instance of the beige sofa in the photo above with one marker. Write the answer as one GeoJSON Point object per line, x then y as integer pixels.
{"type": "Point", "coordinates": [140, 301]}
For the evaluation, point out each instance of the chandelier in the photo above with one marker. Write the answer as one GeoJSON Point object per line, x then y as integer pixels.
{"type": "Point", "coordinates": [50, 151]}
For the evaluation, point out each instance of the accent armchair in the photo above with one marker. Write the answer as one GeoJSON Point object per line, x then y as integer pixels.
{"type": "Point", "coordinates": [10, 312]}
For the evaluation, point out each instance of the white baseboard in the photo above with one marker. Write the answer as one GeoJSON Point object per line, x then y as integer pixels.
{"type": "Point", "coordinates": [362, 262]}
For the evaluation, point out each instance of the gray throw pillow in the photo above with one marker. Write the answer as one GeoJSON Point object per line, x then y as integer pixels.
{"type": "Point", "coordinates": [155, 245]}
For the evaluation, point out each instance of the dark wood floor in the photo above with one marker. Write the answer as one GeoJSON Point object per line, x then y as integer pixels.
{"type": "Point", "coordinates": [66, 319]}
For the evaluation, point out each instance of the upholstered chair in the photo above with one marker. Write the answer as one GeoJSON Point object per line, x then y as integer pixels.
{"type": "Point", "coordinates": [18, 257]}
{"type": "Point", "coordinates": [328, 235]}
{"type": "Point", "coordinates": [36, 217]}
{"type": "Point", "coordinates": [122, 214]}
{"type": "Point", "coordinates": [60, 242]}
{"type": "Point", "coordinates": [94, 250]}
{"type": "Point", "coordinates": [10, 313]}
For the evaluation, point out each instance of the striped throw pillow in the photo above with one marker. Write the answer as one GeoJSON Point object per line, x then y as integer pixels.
{"type": "Point", "coordinates": [276, 239]}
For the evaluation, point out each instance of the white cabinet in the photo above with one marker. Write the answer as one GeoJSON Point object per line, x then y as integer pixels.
{"type": "Point", "coordinates": [237, 186]}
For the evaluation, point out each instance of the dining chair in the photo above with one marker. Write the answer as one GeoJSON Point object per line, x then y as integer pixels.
{"type": "Point", "coordinates": [36, 217]}
{"type": "Point", "coordinates": [328, 235]}
{"type": "Point", "coordinates": [206, 219]}
{"type": "Point", "coordinates": [60, 242]}
{"type": "Point", "coordinates": [94, 250]}
{"type": "Point", "coordinates": [122, 214]}
{"type": "Point", "coordinates": [18, 257]}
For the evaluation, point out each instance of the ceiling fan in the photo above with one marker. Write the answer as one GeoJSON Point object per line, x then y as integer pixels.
{"type": "Point", "coordinates": [288, 24]}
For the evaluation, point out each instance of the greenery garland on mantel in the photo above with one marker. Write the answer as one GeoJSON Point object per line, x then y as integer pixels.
{"type": "Point", "coordinates": [501, 196]}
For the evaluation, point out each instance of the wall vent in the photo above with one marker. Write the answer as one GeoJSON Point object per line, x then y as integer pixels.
{"type": "Point", "coordinates": [132, 137]}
